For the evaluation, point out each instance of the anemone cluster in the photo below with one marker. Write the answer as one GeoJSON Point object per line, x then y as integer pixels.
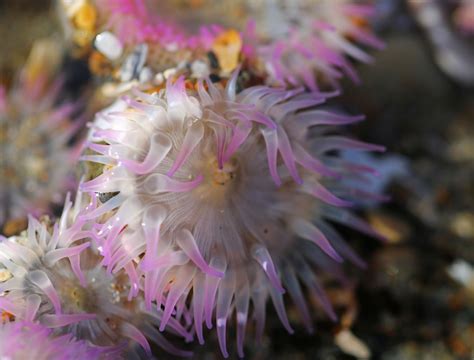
{"type": "Point", "coordinates": [211, 187]}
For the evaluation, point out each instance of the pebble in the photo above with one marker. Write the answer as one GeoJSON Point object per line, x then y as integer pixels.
{"type": "Point", "coordinates": [108, 45]}
{"type": "Point", "coordinates": [463, 225]}
{"type": "Point", "coordinates": [145, 75]}
{"type": "Point", "coordinates": [133, 64]}
{"type": "Point", "coordinates": [392, 228]}
{"type": "Point", "coordinates": [169, 72]}
{"type": "Point", "coordinates": [199, 69]}
{"type": "Point", "coordinates": [462, 272]}
{"type": "Point", "coordinates": [5, 275]}
{"type": "Point", "coordinates": [159, 79]}
{"type": "Point", "coordinates": [352, 345]}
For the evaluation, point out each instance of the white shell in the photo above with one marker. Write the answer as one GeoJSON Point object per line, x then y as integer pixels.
{"type": "Point", "coordinates": [145, 75]}
{"type": "Point", "coordinates": [109, 45]}
{"type": "Point", "coordinates": [200, 69]}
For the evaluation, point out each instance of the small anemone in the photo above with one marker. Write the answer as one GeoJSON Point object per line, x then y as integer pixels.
{"type": "Point", "coordinates": [139, 21]}
{"type": "Point", "coordinates": [224, 199]}
{"type": "Point", "coordinates": [57, 279]}
{"type": "Point", "coordinates": [315, 42]}
{"type": "Point", "coordinates": [24, 340]}
{"type": "Point", "coordinates": [36, 135]}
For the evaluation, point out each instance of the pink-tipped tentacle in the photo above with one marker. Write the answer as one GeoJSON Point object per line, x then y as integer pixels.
{"type": "Point", "coordinates": [342, 143]}
{"type": "Point", "coordinates": [33, 303]}
{"type": "Point", "coordinates": [160, 145]}
{"type": "Point", "coordinates": [159, 183]}
{"type": "Point", "coordinates": [42, 281]}
{"type": "Point", "coordinates": [277, 298]}
{"type": "Point", "coordinates": [191, 140]}
{"type": "Point", "coordinates": [54, 256]}
{"type": "Point", "coordinates": [224, 299]}
{"type": "Point", "coordinates": [184, 276]}
{"type": "Point", "coordinates": [187, 243]}
{"type": "Point", "coordinates": [317, 190]}
{"type": "Point", "coordinates": [210, 289]}
{"type": "Point", "coordinates": [287, 154]}
{"type": "Point", "coordinates": [308, 231]}
{"type": "Point", "coordinates": [198, 305]}
{"type": "Point", "coordinates": [310, 163]}
{"type": "Point", "coordinates": [56, 321]}
{"type": "Point", "coordinates": [271, 142]}
{"type": "Point", "coordinates": [263, 257]}
{"type": "Point", "coordinates": [242, 299]}
{"type": "Point", "coordinates": [151, 224]}
{"type": "Point", "coordinates": [133, 333]}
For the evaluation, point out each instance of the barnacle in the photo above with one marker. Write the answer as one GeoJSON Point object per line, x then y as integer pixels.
{"type": "Point", "coordinates": [57, 279]}
{"type": "Point", "coordinates": [223, 198]}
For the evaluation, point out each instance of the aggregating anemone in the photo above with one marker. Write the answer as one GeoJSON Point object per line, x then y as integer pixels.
{"type": "Point", "coordinates": [56, 278]}
{"type": "Point", "coordinates": [212, 186]}
{"type": "Point", "coordinates": [227, 192]}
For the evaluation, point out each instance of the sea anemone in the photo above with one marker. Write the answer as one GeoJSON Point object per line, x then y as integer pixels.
{"type": "Point", "coordinates": [56, 278]}
{"type": "Point", "coordinates": [310, 43]}
{"type": "Point", "coordinates": [36, 132]}
{"type": "Point", "coordinates": [24, 340]}
{"type": "Point", "coordinates": [219, 198]}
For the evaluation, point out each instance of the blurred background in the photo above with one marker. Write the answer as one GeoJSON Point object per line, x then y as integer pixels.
{"type": "Point", "coordinates": [416, 298]}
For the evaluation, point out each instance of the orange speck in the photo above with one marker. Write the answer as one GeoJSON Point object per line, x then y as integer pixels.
{"type": "Point", "coordinates": [99, 64]}
{"type": "Point", "coordinates": [86, 17]}
{"type": "Point", "coordinates": [196, 3]}
{"type": "Point", "coordinates": [15, 226]}
{"type": "Point", "coordinates": [5, 317]}
{"type": "Point", "coordinates": [227, 47]}
{"type": "Point", "coordinates": [360, 21]}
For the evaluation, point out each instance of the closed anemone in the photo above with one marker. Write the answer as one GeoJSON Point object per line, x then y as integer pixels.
{"type": "Point", "coordinates": [223, 199]}
{"type": "Point", "coordinates": [57, 280]}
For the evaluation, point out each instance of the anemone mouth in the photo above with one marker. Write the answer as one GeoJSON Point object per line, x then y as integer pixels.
{"type": "Point", "coordinates": [219, 181]}
{"type": "Point", "coordinates": [89, 294]}
{"type": "Point", "coordinates": [223, 175]}
{"type": "Point", "coordinates": [74, 296]}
